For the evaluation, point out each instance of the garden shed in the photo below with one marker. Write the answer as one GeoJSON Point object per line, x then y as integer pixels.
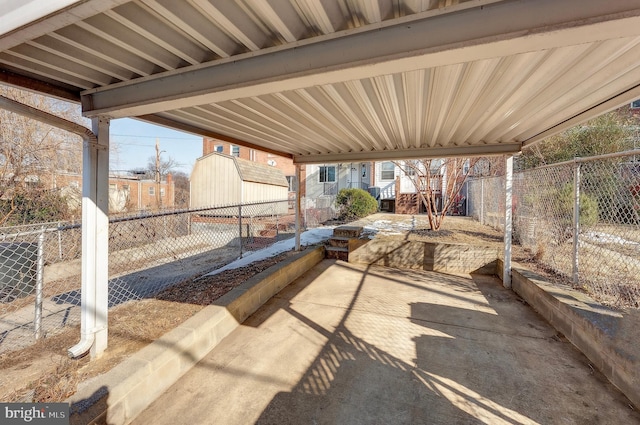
{"type": "Point", "coordinates": [218, 179]}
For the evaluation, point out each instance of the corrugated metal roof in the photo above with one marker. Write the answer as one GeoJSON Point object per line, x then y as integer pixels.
{"type": "Point", "coordinates": [334, 80]}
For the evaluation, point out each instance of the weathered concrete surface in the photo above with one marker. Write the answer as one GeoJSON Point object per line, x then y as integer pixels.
{"type": "Point", "coordinates": [352, 344]}
{"type": "Point", "coordinates": [121, 394]}
{"type": "Point", "coordinates": [610, 339]}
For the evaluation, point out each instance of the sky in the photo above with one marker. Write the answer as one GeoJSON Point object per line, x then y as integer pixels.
{"type": "Point", "coordinates": [135, 143]}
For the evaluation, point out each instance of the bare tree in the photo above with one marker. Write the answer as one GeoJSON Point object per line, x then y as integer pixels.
{"type": "Point", "coordinates": [32, 157]}
{"type": "Point", "coordinates": [181, 182]}
{"type": "Point", "coordinates": [433, 177]}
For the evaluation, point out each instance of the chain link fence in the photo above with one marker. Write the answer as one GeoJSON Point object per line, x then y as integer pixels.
{"type": "Point", "coordinates": [597, 249]}
{"type": "Point", "coordinates": [40, 265]}
{"type": "Point", "coordinates": [317, 211]}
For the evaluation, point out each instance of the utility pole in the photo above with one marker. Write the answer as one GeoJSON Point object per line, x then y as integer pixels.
{"type": "Point", "coordinates": [158, 198]}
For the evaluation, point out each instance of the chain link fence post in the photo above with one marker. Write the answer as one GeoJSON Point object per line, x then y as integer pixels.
{"type": "Point", "coordinates": [576, 219]}
{"type": "Point", "coordinates": [482, 202]}
{"type": "Point", "coordinates": [240, 226]}
{"type": "Point", "coordinates": [37, 321]}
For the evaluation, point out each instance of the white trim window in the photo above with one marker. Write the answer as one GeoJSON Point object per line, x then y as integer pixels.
{"type": "Point", "coordinates": [219, 148]}
{"type": "Point", "coordinates": [235, 150]}
{"type": "Point", "coordinates": [387, 171]}
{"type": "Point", "coordinates": [291, 181]}
{"type": "Point", "coordinates": [327, 174]}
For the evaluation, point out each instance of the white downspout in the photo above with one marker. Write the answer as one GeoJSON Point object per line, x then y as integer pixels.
{"type": "Point", "coordinates": [89, 140]}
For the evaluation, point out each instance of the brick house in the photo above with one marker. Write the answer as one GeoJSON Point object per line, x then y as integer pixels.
{"type": "Point", "coordinates": [127, 193]}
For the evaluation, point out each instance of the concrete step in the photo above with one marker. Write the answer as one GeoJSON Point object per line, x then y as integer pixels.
{"type": "Point", "coordinates": [337, 253]}
{"type": "Point", "coordinates": [339, 241]}
{"type": "Point", "coordinates": [347, 231]}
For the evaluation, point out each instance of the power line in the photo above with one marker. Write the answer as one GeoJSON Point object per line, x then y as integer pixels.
{"type": "Point", "coordinates": [155, 137]}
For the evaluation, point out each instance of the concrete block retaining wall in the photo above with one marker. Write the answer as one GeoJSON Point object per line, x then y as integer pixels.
{"type": "Point", "coordinates": [121, 394]}
{"type": "Point", "coordinates": [600, 333]}
{"type": "Point", "coordinates": [423, 255]}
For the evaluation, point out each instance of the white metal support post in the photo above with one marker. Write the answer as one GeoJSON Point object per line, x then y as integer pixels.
{"type": "Point", "coordinates": [95, 243]}
{"type": "Point", "coordinates": [101, 129]}
{"type": "Point", "coordinates": [297, 207]}
{"type": "Point", "coordinates": [508, 227]}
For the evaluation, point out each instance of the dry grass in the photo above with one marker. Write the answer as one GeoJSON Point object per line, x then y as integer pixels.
{"type": "Point", "coordinates": [43, 373]}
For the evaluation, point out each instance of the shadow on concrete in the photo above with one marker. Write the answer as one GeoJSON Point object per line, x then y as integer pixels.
{"type": "Point", "coordinates": [351, 372]}
{"type": "Point", "coordinates": [84, 411]}
{"type": "Point", "coordinates": [473, 364]}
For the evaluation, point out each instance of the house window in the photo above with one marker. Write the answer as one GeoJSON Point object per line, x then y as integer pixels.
{"type": "Point", "coordinates": [125, 187]}
{"type": "Point", "coordinates": [219, 148]}
{"type": "Point", "coordinates": [635, 104]}
{"type": "Point", "coordinates": [409, 171]}
{"type": "Point", "coordinates": [162, 191]}
{"type": "Point", "coordinates": [291, 180]}
{"type": "Point", "coordinates": [74, 184]}
{"type": "Point", "coordinates": [387, 171]}
{"type": "Point", "coordinates": [235, 150]}
{"type": "Point", "coordinates": [113, 187]}
{"type": "Point", "coordinates": [252, 155]}
{"type": "Point", "coordinates": [327, 174]}
{"type": "Point", "coordinates": [152, 190]}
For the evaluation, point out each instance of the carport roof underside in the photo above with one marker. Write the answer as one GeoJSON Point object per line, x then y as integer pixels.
{"type": "Point", "coordinates": [334, 80]}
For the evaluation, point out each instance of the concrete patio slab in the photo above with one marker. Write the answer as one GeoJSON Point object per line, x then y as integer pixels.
{"type": "Point", "coordinates": [359, 344]}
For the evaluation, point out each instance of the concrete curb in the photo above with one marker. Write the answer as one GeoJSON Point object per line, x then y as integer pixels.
{"type": "Point", "coordinates": [598, 332]}
{"type": "Point", "coordinates": [118, 396]}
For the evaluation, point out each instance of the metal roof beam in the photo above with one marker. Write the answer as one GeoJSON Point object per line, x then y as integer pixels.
{"type": "Point", "coordinates": [34, 18]}
{"type": "Point", "coordinates": [435, 152]}
{"type": "Point", "coordinates": [20, 81]}
{"type": "Point", "coordinates": [489, 30]}
{"type": "Point", "coordinates": [176, 125]}
{"type": "Point", "coordinates": [601, 108]}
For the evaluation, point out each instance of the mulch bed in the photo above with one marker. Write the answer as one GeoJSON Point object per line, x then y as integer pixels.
{"type": "Point", "coordinates": [205, 290]}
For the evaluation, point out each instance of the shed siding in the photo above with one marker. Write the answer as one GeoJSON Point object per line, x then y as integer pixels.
{"type": "Point", "coordinates": [260, 192]}
{"type": "Point", "coordinates": [215, 181]}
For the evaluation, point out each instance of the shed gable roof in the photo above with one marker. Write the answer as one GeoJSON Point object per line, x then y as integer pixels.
{"type": "Point", "coordinates": [259, 173]}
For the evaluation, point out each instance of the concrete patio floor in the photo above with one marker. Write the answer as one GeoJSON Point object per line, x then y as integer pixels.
{"type": "Point", "coordinates": [350, 344]}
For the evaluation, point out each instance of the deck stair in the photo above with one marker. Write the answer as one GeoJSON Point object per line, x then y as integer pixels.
{"type": "Point", "coordinates": [338, 245]}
